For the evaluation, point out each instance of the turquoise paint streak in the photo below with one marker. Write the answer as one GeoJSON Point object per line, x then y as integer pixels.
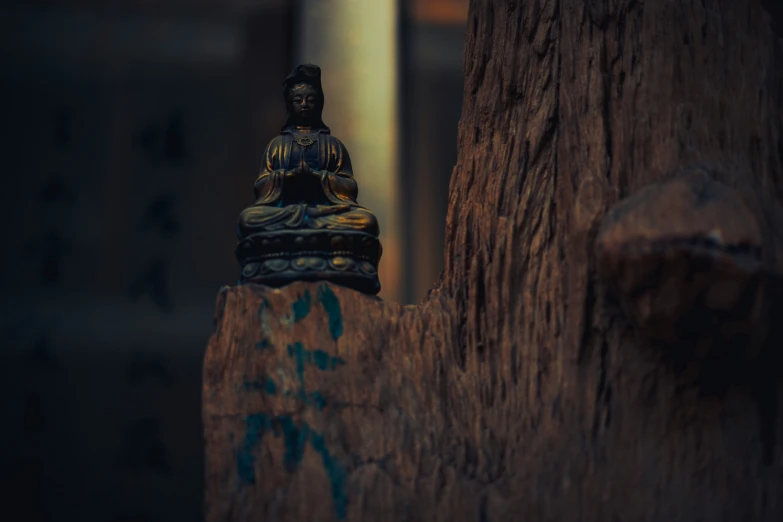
{"type": "Point", "coordinates": [331, 305]}
{"type": "Point", "coordinates": [295, 439]}
{"type": "Point", "coordinates": [301, 306]}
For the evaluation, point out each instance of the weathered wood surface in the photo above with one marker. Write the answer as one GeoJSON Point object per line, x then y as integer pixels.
{"type": "Point", "coordinates": [547, 375]}
{"type": "Point", "coordinates": [316, 402]}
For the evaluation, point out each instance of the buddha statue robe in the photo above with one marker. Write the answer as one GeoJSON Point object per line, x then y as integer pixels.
{"type": "Point", "coordinates": [324, 199]}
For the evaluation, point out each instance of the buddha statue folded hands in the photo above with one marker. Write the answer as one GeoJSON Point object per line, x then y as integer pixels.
{"type": "Point", "coordinates": [306, 223]}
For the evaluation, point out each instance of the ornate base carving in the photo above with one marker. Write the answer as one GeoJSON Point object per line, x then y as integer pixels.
{"type": "Point", "coordinates": [279, 258]}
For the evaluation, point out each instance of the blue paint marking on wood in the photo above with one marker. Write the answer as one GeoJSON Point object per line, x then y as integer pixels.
{"type": "Point", "coordinates": [316, 399]}
{"type": "Point", "coordinates": [318, 358]}
{"type": "Point", "coordinates": [266, 385]}
{"type": "Point", "coordinates": [263, 344]}
{"type": "Point", "coordinates": [332, 307]}
{"type": "Point", "coordinates": [255, 427]}
{"type": "Point", "coordinates": [336, 472]}
{"type": "Point", "coordinates": [297, 352]}
{"type": "Point", "coordinates": [301, 306]}
{"type": "Point", "coordinates": [295, 438]}
{"type": "Point", "coordinates": [263, 306]}
{"type": "Point", "coordinates": [324, 361]}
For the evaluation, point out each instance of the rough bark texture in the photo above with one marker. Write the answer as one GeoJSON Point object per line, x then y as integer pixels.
{"type": "Point", "coordinates": [619, 161]}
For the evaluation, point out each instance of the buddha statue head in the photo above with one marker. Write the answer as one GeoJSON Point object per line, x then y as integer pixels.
{"type": "Point", "coordinates": [304, 98]}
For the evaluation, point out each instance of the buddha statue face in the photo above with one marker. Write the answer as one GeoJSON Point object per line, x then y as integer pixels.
{"type": "Point", "coordinates": [305, 104]}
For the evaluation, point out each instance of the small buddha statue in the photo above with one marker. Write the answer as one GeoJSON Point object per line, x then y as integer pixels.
{"type": "Point", "coordinates": [306, 223]}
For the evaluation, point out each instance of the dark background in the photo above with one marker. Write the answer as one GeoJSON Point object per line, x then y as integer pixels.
{"type": "Point", "coordinates": [132, 132]}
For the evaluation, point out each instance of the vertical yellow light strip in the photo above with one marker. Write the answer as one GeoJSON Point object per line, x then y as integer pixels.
{"type": "Point", "coordinates": [355, 44]}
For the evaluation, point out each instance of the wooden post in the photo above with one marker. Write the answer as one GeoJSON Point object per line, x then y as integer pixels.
{"type": "Point", "coordinates": [614, 158]}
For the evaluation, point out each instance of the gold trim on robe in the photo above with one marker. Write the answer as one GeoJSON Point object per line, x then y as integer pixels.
{"type": "Point", "coordinates": [337, 182]}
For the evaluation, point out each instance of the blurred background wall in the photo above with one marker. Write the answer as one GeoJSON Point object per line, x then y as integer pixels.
{"type": "Point", "coordinates": [132, 134]}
